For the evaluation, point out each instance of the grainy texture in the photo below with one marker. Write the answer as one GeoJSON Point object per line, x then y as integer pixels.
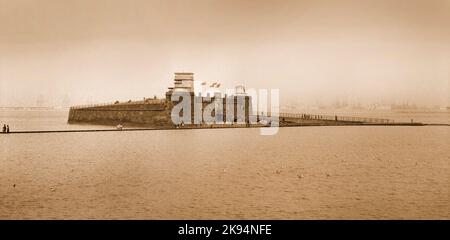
{"type": "Point", "coordinates": [300, 173]}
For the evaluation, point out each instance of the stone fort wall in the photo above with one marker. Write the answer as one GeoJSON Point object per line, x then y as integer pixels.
{"type": "Point", "coordinates": [153, 113]}
{"type": "Point", "coordinates": [136, 113]}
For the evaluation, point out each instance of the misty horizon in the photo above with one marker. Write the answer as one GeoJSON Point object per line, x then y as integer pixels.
{"type": "Point", "coordinates": [315, 52]}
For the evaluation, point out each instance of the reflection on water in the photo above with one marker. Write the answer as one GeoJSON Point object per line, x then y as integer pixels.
{"type": "Point", "coordinates": [300, 173]}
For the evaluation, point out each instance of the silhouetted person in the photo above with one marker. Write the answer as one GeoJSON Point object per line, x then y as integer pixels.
{"type": "Point", "coordinates": [335, 118]}
{"type": "Point", "coordinates": [7, 128]}
{"type": "Point", "coordinates": [4, 128]}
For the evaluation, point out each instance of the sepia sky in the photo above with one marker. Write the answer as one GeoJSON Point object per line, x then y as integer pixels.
{"type": "Point", "coordinates": [313, 51]}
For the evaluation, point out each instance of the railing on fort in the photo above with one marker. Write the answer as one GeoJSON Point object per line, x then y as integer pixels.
{"type": "Point", "coordinates": [306, 116]}
{"type": "Point", "coordinates": [147, 101]}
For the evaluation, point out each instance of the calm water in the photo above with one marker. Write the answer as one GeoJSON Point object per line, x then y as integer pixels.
{"type": "Point", "coordinates": [300, 173]}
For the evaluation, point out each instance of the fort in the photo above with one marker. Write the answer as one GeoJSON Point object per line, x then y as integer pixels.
{"type": "Point", "coordinates": [208, 109]}
{"type": "Point", "coordinates": [155, 112]}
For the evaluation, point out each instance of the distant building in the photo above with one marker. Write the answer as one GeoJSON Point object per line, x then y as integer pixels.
{"type": "Point", "coordinates": [40, 102]}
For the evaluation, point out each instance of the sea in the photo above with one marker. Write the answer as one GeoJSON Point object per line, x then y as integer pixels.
{"type": "Point", "coordinates": [319, 172]}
